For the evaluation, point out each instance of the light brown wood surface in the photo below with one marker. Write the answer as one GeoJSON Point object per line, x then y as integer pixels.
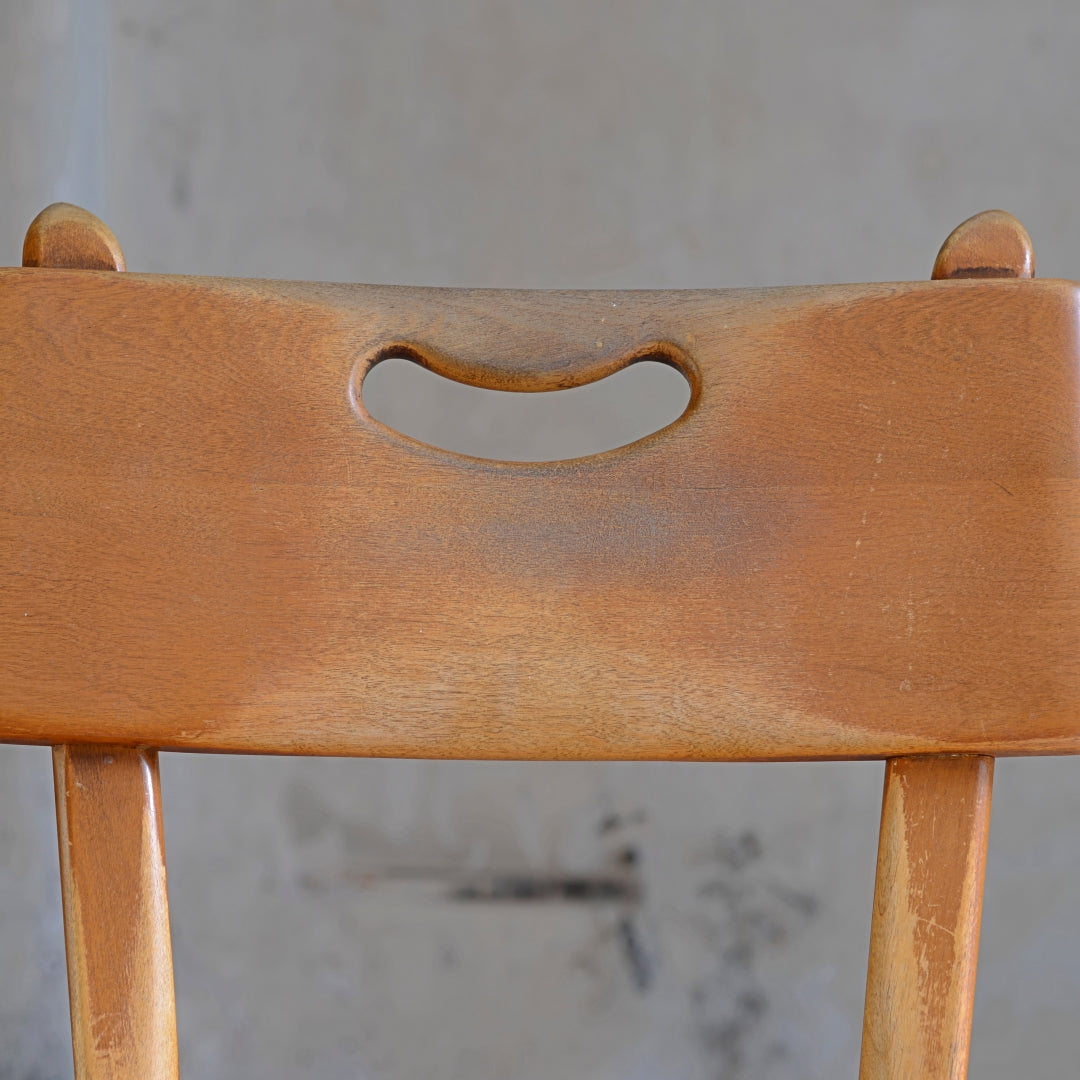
{"type": "Point", "coordinates": [860, 540]}
{"type": "Point", "coordinates": [924, 942]}
{"type": "Point", "coordinates": [116, 913]}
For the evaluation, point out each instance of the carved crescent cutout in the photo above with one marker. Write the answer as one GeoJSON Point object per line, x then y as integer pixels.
{"type": "Point", "coordinates": [422, 396]}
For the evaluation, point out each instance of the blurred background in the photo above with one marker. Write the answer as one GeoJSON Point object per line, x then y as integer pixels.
{"type": "Point", "coordinates": [389, 920]}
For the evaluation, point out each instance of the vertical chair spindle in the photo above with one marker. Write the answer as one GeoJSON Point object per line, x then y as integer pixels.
{"type": "Point", "coordinates": [108, 815]}
{"type": "Point", "coordinates": [116, 913]}
{"type": "Point", "coordinates": [924, 942]}
{"type": "Point", "coordinates": [935, 824]}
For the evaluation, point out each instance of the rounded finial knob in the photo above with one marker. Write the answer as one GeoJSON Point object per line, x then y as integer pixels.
{"type": "Point", "coordinates": [992, 244]}
{"type": "Point", "coordinates": [63, 236]}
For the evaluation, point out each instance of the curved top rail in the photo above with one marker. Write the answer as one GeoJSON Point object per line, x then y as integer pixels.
{"type": "Point", "coordinates": [861, 539]}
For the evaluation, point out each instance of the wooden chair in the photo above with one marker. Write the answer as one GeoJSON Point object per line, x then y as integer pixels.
{"type": "Point", "coordinates": [861, 540]}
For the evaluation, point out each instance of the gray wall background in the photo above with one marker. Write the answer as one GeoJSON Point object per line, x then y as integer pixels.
{"type": "Point", "coordinates": [335, 918]}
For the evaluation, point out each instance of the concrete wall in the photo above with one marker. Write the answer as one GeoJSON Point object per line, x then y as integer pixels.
{"type": "Point", "coordinates": [398, 920]}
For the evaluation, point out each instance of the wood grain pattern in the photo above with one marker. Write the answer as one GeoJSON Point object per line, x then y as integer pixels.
{"type": "Point", "coordinates": [992, 244]}
{"type": "Point", "coordinates": [116, 913]}
{"type": "Point", "coordinates": [924, 942]}
{"type": "Point", "coordinates": [63, 235]}
{"type": "Point", "coordinates": [862, 538]}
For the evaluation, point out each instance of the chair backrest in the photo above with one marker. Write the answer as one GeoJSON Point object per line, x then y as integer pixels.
{"type": "Point", "coordinates": [859, 540]}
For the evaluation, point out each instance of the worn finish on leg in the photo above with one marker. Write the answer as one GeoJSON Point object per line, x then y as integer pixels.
{"type": "Point", "coordinates": [116, 913]}
{"type": "Point", "coordinates": [924, 941]}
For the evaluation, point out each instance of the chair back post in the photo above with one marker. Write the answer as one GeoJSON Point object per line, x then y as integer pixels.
{"type": "Point", "coordinates": [108, 816]}
{"type": "Point", "coordinates": [924, 938]}
{"type": "Point", "coordinates": [935, 824]}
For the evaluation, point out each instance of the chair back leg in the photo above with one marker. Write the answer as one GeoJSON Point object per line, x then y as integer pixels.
{"type": "Point", "coordinates": [924, 939]}
{"type": "Point", "coordinates": [116, 913]}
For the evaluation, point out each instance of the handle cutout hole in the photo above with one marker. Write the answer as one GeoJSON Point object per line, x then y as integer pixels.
{"type": "Point", "coordinates": [509, 426]}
